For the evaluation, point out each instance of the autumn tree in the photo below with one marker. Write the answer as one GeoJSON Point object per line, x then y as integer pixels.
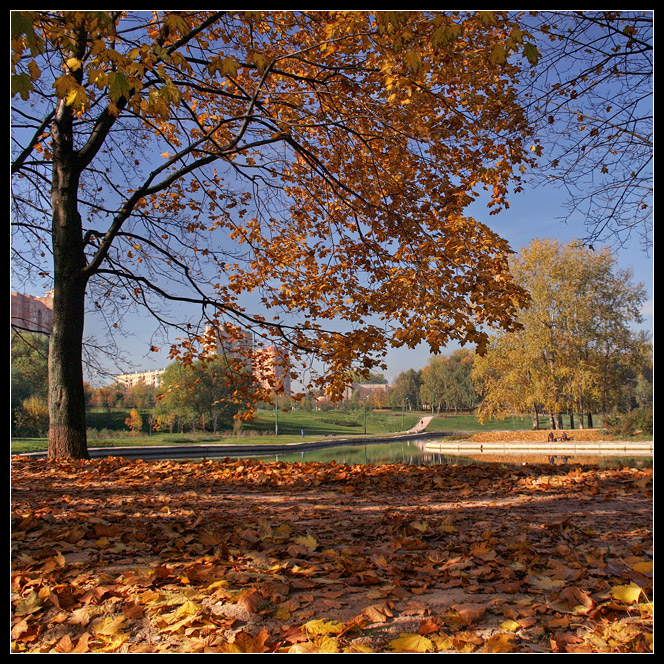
{"type": "Point", "coordinates": [576, 347]}
{"type": "Point", "coordinates": [134, 422]}
{"type": "Point", "coordinates": [139, 395]}
{"type": "Point", "coordinates": [591, 97]}
{"type": "Point", "coordinates": [29, 380]}
{"type": "Point", "coordinates": [202, 394]}
{"type": "Point", "coordinates": [29, 370]}
{"type": "Point", "coordinates": [406, 389]}
{"type": "Point", "coordinates": [447, 383]}
{"type": "Point", "coordinates": [108, 396]}
{"type": "Point", "coordinates": [301, 174]}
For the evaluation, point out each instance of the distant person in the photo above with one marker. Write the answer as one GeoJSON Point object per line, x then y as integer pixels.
{"type": "Point", "coordinates": [564, 436]}
{"type": "Point", "coordinates": [550, 437]}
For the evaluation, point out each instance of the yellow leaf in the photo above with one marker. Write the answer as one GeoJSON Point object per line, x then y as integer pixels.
{"type": "Point", "coordinates": [358, 648]}
{"type": "Point", "coordinates": [229, 66]}
{"type": "Point", "coordinates": [77, 98]}
{"type": "Point", "coordinates": [323, 644]}
{"type": "Point", "coordinates": [420, 526]}
{"type": "Point", "coordinates": [628, 594]}
{"type": "Point", "coordinates": [245, 643]}
{"type": "Point", "coordinates": [411, 643]}
{"type": "Point", "coordinates": [500, 643]}
{"type": "Point", "coordinates": [443, 641]}
{"type": "Point", "coordinates": [308, 542]}
{"type": "Point", "coordinates": [108, 626]}
{"type": "Point", "coordinates": [73, 64]}
{"type": "Point", "coordinates": [498, 54]}
{"type": "Point", "coordinates": [315, 627]}
{"type": "Point", "coordinates": [643, 567]}
{"type": "Point", "coordinates": [21, 85]}
{"type": "Point", "coordinates": [510, 626]}
{"type": "Point", "coordinates": [29, 605]}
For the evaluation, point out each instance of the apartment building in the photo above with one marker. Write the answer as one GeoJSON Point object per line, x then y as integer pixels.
{"type": "Point", "coordinates": [268, 365]}
{"type": "Point", "coordinates": [150, 378]}
{"type": "Point", "coordinates": [34, 314]}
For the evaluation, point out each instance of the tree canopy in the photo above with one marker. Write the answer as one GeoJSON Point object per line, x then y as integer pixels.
{"type": "Point", "coordinates": [446, 381]}
{"type": "Point", "coordinates": [316, 165]}
{"type": "Point", "coordinates": [576, 345]}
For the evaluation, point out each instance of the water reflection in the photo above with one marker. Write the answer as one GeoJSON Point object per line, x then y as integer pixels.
{"type": "Point", "coordinates": [415, 453]}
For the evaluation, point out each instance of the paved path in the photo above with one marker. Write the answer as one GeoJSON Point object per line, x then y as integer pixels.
{"type": "Point", "coordinates": [233, 450]}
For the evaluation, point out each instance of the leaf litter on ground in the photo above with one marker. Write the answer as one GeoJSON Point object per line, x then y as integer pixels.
{"type": "Point", "coordinates": [120, 555]}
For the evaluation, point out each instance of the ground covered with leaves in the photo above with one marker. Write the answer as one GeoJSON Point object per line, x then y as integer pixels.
{"type": "Point", "coordinates": [244, 556]}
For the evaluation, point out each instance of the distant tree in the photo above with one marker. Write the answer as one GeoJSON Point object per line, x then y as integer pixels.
{"type": "Point", "coordinates": [140, 395]}
{"type": "Point", "coordinates": [371, 378]}
{"type": "Point", "coordinates": [406, 390]}
{"type": "Point", "coordinates": [202, 394]}
{"type": "Point", "coordinates": [31, 417]}
{"type": "Point", "coordinates": [165, 421]}
{"type": "Point", "coordinates": [29, 367]}
{"type": "Point", "coordinates": [134, 422]}
{"type": "Point", "coordinates": [108, 396]}
{"type": "Point", "coordinates": [576, 346]}
{"type": "Point", "coordinates": [447, 382]}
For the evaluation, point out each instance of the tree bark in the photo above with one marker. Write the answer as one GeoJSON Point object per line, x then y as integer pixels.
{"type": "Point", "coordinates": [67, 430]}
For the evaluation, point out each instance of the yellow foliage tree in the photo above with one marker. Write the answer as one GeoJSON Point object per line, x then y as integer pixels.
{"type": "Point", "coordinates": [575, 347]}
{"type": "Point", "coordinates": [134, 422]}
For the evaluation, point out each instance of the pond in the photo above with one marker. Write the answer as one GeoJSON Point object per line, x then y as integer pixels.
{"type": "Point", "coordinates": [415, 453]}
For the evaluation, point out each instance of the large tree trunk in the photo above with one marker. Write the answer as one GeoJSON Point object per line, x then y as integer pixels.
{"type": "Point", "coordinates": [67, 432]}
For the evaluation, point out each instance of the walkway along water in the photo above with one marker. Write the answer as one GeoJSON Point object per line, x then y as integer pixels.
{"type": "Point", "coordinates": [604, 448]}
{"type": "Point", "coordinates": [568, 448]}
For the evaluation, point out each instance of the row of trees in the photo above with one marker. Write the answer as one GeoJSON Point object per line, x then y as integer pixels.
{"type": "Point", "coordinates": [199, 395]}
{"type": "Point", "coordinates": [445, 384]}
{"type": "Point", "coordinates": [29, 384]}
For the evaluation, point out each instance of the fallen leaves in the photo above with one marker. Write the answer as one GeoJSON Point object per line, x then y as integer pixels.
{"type": "Point", "coordinates": [248, 557]}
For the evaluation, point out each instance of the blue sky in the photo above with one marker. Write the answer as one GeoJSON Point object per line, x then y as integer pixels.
{"type": "Point", "coordinates": [535, 213]}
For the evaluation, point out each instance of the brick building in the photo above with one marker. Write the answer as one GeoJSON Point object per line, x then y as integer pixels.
{"type": "Point", "coordinates": [34, 314]}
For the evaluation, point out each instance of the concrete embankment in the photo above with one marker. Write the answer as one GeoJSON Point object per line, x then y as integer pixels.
{"type": "Point", "coordinates": [195, 451]}
{"type": "Point", "coordinates": [569, 448]}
